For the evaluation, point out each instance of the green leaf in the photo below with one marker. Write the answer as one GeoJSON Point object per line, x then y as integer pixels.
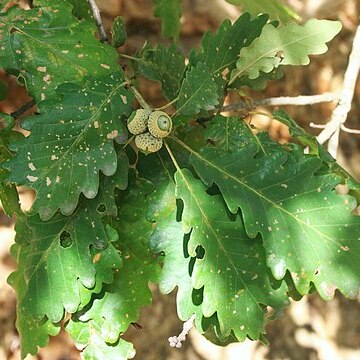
{"type": "Point", "coordinates": [88, 339]}
{"type": "Point", "coordinates": [55, 272]}
{"type": "Point", "coordinates": [118, 32]}
{"type": "Point", "coordinates": [168, 238]}
{"type": "Point", "coordinates": [82, 10]}
{"type": "Point", "coordinates": [9, 199]}
{"type": "Point", "coordinates": [106, 198]}
{"type": "Point", "coordinates": [8, 194]}
{"type": "Point", "coordinates": [260, 82]}
{"type": "Point", "coordinates": [297, 132]}
{"type": "Point", "coordinates": [170, 12]}
{"type": "Point", "coordinates": [228, 134]}
{"type": "Point", "coordinates": [67, 254]}
{"type": "Point", "coordinates": [307, 228]}
{"type": "Point", "coordinates": [164, 64]}
{"type": "Point", "coordinates": [103, 259]}
{"type": "Point", "coordinates": [40, 41]}
{"type": "Point", "coordinates": [70, 142]}
{"type": "Point", "coordinates": [198, 91]}
{"type": "Point", "coordinates": [33, 333]}
{"type": "Point", "coordinates": [129, 292]}
{"type": "Point", "coordinates": [290, 44]}
{"type": "Point", "coordinates": [232, 272]}
{"type": "Point", "coordinates": [274, 8]}
{"type": "Point", "coordinates": [220, 51]}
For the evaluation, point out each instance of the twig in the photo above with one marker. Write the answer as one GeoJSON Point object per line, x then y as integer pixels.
{"type": "Point", "coordinates": [96, 12]}
{"type": "Point", "coordinates": [168, 104]}
{"type": "Point", "coordinates": [129, 57]}
{"type": "Point", "coordinates": [140, 99]}
{"type": "Point", "coordinates": [350, 131]}
{"type": "Point", "coordinates": [16, 114]}
{"type": "Point", "coordinates": [176, 341]}
{"type": "Point", "coordinates": [339, 115]}
{"type": "Point", "coordinates": [317, 126]}
{"type": "Point", "coordinates": [286, 100]}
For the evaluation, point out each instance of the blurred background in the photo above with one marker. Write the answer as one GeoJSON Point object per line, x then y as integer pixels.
{"type": "Point", "coordinates": [309, 329]}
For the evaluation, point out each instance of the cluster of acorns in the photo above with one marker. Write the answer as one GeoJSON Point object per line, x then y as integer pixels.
{"type": "Point", "coordinates": [150, 128]}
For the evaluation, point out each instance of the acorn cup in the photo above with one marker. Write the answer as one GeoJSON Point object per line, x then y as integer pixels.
{"type": "Point", "coordinates": [137, 122]}
{"type": "Point", "coordinates": [150, 129]}
{"type": "Point", "coordinates": [159, 124]}
{"type": "Point", "coordinates": [147, 143]}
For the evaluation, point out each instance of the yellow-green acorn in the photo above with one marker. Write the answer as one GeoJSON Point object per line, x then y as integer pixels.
{"type": "Point", "coordinates": [159, 124]}
{"type": "Point", "coordinates": [137, 122]}
{"type": "Point", "coordinates": [148, 143]}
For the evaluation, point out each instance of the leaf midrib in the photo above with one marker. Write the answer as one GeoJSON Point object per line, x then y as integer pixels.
{"type": "Point", "coordinates": [274, 204]}
{"type": "Point", "coordinates": [81, 134]}
{"type": "Point", "coordinates": [193, 94]}
{"type": "Point", "coordinates": [207, 221]}
{"type": "Point", "coordinates": [82, 71]}
{"type": "Point", "coordinates": [226, 174]}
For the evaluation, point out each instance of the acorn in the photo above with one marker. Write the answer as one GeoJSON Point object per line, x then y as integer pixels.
{"type": "Point", "coordinates": [137, 122]}
{"type": "Point", "coordinates": [159, 124]}
{"type": "Point", "coordinates": [148, 143]}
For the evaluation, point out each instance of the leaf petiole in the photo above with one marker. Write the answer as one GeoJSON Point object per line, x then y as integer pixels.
{"type": "Point", "coordinates": [129, 57]}
{"type": "Point", "coordinates": [129, 141]}
{"type": "Point", "coordinates": [140, 99]}
{"type": "Point", "coordinates": [172, 155]}
{"type": "Point", "coordinates": [168, 104]}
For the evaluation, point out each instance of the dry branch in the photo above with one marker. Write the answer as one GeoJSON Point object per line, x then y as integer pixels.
{"type": "Point", "coordinates": [176, 341]}
{"type": "Point", "coordinates": [332, 130]}
{"type": "Point", "coordinates": [96, 12]}
{"type": "Point", "coordinates": [285, 100]}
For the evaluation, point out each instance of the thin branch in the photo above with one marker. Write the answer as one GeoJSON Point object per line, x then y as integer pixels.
{"type": "Point", "coordinates": [128, 141]}
{"type": "Point", "coordinates": [350, 131]}
{"type": "Point", "coordinates": [285, 100]}
{"type": "Point", "coordinates": [129, 57]}
{"type": "Point", "coordinates": [176, 341]}
{"type": "Point", "coordinates": [16, 114]}
{"type": "Point", "coordinates": [172, 156]}
{"type": "Point", "coordinates": [140, 99]}
{"type": "Point", "coordinates": [96, 12]}
{"type": "Point", "coordinates": [339, 115]}
{"type": "Point", "coordinates": [317, 126]}
{"type": "Point", "coordinates": [168, 104]}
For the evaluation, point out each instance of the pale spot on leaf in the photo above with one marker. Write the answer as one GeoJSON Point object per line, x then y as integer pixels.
{"type": "Point", "coordinates": [96, 258]}
{"type": "Point", "coordinates": [32, 178]}
{"type": "Point", "coordinates": [113, 134]}
{"type": "Point", "coordinates": [41, 68]}
{"type": "Point", "coordinates": [47, 78]}
{"type": "Point", "coordinates": [32, 167]}
{"type": "Point", "coordinates": [124, 99]}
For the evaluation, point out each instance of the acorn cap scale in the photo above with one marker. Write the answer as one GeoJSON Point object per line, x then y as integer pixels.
{"type": "Point", "coordinates": [137, 122]}
{"type": "Point", "coordinates": [148, 143]}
